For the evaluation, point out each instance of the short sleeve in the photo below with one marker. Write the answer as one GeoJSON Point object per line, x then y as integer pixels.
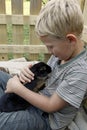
{"type": "Point", "coordinates": [73, 88]}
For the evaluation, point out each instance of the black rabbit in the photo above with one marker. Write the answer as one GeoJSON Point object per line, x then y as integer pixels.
{"type": "Point", "coordinates": [11, 102]}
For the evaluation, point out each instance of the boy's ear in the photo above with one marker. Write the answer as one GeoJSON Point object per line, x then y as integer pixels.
{"type": "Point", "coordinates": [71, 37]}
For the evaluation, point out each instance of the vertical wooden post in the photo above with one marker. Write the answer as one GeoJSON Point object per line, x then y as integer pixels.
{"type": "Point", "coordinates": [85, 13]}
{"type": "Point", "coordinates": [82, 3]}
{"type": "Point", "coordinates": [17, 9]}
{"type": "Point", "coordinates": [35, 6]}
{"type": "Point", "coordinates": [3, 31]}
{"type": "Point", "coordinates": [85, 22]}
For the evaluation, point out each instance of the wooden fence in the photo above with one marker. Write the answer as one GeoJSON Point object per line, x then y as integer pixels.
{"type": "Point", "coordinates": [32, 49]}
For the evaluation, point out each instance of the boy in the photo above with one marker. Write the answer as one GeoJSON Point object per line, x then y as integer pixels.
{"type": "Point", "coordinates": [59, 26]}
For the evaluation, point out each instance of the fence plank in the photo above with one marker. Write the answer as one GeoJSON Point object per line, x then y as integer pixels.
{"type": "Point", "coordinates": [17, 6]}
{"type": "Point", "coordinates": [85, 22]}
{"type": "Point", "coordinates": [3, 32]}
{"type": "Point", "coordinates": [2, 6]}
{"type": "Point", "coordinates": [17, 9]}
{"type": "Point", "coordinates": [18, 19]}
{"type": "Point", "coordinates": [35, 6]}
{"type": "Point", "coordinates": [3, 28]}
{"type": "Point", "coordinates": [85, 13]}
{"type": "Point", "coordinates": [82, 3]}
{"type": "Point", "coordinates": [21, 49]}
{"type": "Point", "coordinates": [32, 49]}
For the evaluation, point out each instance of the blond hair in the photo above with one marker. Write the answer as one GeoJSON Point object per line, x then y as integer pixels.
{"type": "Point", "coordinates": [59, 18]}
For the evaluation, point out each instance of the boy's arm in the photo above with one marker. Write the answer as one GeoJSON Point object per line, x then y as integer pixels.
{"type": "Point", "coordinates": [47, 104]}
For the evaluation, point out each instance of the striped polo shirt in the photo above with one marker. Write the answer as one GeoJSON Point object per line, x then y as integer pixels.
{"type": "Point", "coordinates": [69, 81]}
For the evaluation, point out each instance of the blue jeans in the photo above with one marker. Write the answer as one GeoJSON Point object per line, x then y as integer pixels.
{"type": "Point", "coordinates": [29, 119]}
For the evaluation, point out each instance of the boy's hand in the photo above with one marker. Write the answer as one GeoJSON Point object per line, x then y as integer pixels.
{"type": "Point", "coordinates": [12, 85]}
{"type": "Point", "coordinates": [26, 75]}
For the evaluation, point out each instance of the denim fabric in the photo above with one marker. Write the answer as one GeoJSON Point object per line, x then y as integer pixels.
{"type": "Point", "coordinates": [4, 77]}
{"type": "Point", "coordinates": [30, 119]}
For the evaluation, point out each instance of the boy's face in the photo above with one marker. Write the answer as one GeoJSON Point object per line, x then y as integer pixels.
{"type": "Point", "coordinates": [61, 48]}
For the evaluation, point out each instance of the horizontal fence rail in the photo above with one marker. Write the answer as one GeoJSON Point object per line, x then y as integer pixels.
{"type": "Point", "coordinates": [18, 19]}
{"type": "Point", "coordinates": [24, 50]}
{"type": "Point", "coordinates": [32, 49]}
